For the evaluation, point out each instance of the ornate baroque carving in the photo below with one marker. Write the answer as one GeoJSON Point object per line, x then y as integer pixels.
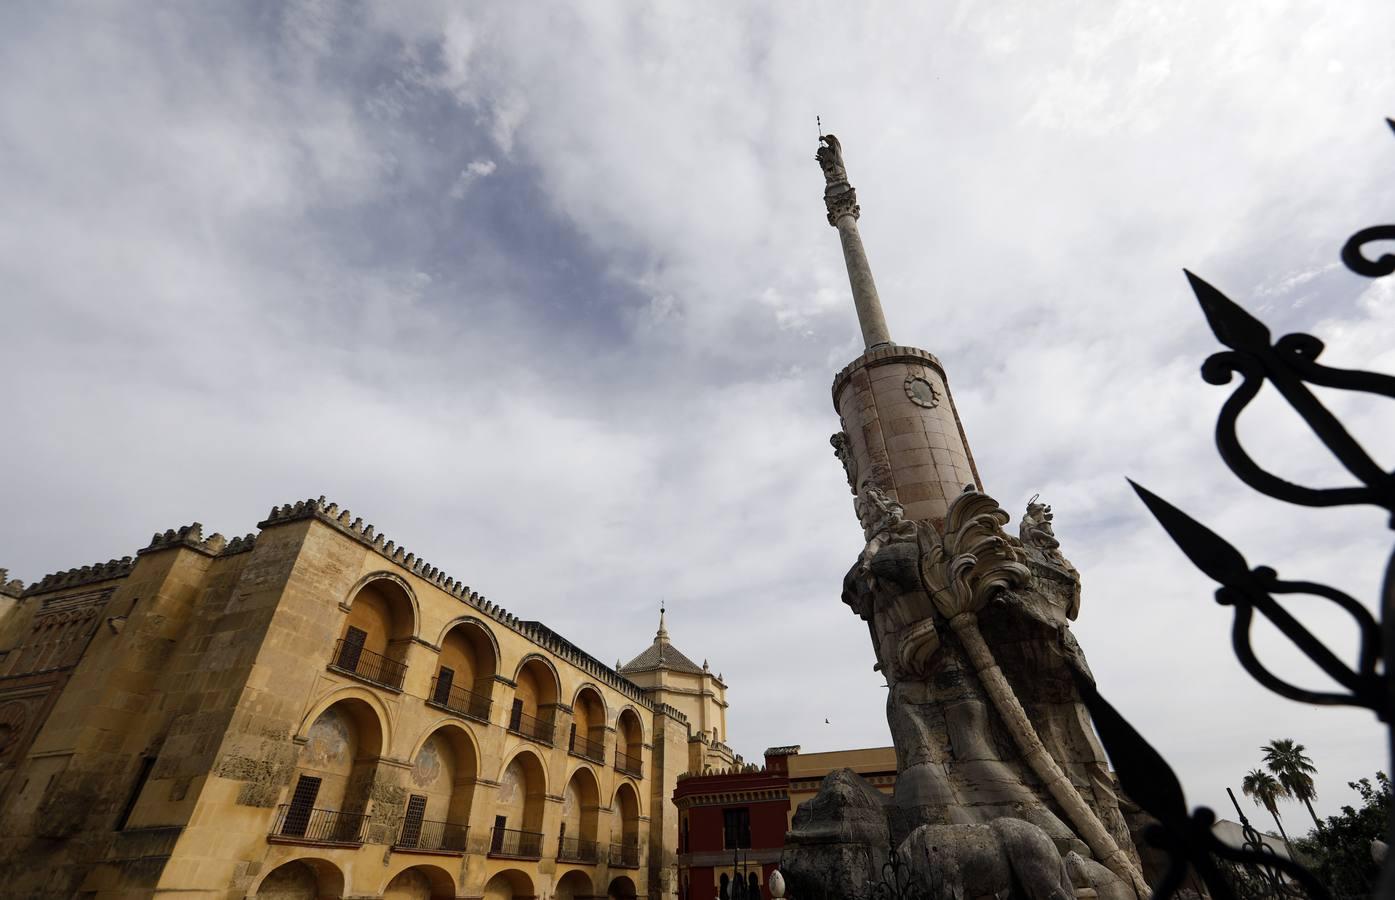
{"type": "Point", "coordinates": [1036, 533]}
{"type": "Point", "coordinates": [842, 448]}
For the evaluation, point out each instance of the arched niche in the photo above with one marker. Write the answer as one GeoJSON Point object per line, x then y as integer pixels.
{"type": "Point", "coordinates": [302, 879]}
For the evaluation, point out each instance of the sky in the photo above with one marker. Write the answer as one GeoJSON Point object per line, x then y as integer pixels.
{"type": "Point", "coordinates": [545, 292]}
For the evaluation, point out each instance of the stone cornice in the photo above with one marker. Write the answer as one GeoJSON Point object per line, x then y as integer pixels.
{"type": "Point", "coordinates": [10, 588]}
{"type": "Point", "coordinates": [107, 571]}
{"type": "Point", "coordinates": [345, 523]}
{"type": "Point", "coordinates": [720, 798]}
{"type": "Point", "coordinates": [787, 750]}
{"type": "Point", "coordinates": [191, 537]}
{"type": "Point", "coordinates": [882, 356]}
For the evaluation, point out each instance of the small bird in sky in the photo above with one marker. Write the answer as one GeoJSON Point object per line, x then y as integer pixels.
{"type": "Point", "coordinates": [825, 721]}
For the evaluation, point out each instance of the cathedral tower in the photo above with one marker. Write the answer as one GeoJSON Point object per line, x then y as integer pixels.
{"type": "Point", "coordinates": [901, 432]}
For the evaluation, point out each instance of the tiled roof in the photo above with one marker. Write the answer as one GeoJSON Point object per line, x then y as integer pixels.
{"type": "Point", "coordinates": [662, 655]}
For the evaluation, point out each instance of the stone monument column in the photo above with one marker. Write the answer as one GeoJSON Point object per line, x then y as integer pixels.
{"type": "Point", "coordinates": [901, 432]}
{"type": "Point", "coordinates": [1001, 788]}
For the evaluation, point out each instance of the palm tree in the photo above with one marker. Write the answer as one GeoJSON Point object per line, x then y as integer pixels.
{"type": "Point", "coordinates": [1266, 790]}
{"type": "Point", "coordinates": [1295, 770]}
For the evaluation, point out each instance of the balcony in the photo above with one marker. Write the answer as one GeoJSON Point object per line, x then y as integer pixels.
{"type": "Point", "coordinates": [579, 850]}
{"type": "Point", "coordinates": [629, 765]}
{"type": "Point", "coordinates": [509, 843]}
{"type": "Point", "coordinates": [587, 748]}
{"type": "Point", "coordinates": [624, 856]}
{"type": "Point", "coordinates": [352, 659]}
{"type": "Point", "coordinates": [459, 700]}
{"type": "Point", "coordinates": [303, 825]}
{"type": "Point", "coordinates": [432, 837]}
{"type": "Point", "coordinates": [531, 727]}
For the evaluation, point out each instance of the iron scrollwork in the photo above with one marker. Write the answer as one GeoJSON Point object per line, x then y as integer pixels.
{"type": "Point", "coordinates": [1290, 366]}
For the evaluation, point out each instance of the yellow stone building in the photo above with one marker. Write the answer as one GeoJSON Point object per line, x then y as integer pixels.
{"type": "Point", "coordinates": [313, 712]}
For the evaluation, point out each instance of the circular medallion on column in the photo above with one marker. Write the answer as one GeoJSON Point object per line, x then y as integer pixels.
{"type": "Point", "coordinates": [921, 392]}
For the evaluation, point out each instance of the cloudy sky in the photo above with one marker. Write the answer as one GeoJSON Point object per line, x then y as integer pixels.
{"type": "Point", "coordinates": [545, 292]}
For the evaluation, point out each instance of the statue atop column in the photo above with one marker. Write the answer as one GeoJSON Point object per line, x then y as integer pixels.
{"type": "Point", "coordinates": [1002, 788]}
{"type": "Point", "coordinates": [840, 199]}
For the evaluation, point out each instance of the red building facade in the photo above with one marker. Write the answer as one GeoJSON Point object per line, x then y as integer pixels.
{"type": "Point", "coordinates": [732, 824]}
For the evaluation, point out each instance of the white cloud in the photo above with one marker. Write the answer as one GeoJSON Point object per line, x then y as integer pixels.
{"type": "Point", "coordinates": [480, 168]}
{"type": "Point", "coordinates": [232, 293]}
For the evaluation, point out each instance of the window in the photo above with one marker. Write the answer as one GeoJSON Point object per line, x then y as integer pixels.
{"type": "Point", "coordinates": [302, 804]}
{"type": "Point", "coordinates": [444, 680]}
{"type": "Point", "coordinates": [146, 764]}
{"type": "Point", "coordinates": [516, 715]}
{"type": "Point", "coordinates": [352, 648]}
{"type": "Point", "coordinates": [411, 822]}
{"type": "Point", "coordinates": [736, 828]}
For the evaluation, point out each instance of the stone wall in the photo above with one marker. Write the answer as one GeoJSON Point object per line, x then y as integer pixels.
{"type": "Point", "coordinates": [208, 664]}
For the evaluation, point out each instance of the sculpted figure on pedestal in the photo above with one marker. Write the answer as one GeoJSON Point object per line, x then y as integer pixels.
{"type": "Point", "coordinates": [830, 159]}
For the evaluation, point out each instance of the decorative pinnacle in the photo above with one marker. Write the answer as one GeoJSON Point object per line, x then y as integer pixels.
{"type": "Point", "coordinates": [663, 631]}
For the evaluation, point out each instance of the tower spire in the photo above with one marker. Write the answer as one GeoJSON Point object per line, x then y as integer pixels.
{"type": "Point", "coordinates": [662, 635]}
{"type": "Point", "coordinates": [840, 198]}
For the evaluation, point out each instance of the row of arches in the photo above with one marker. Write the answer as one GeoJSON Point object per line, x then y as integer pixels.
{"type": "Point", "coordinates": [313, 878]}
{"type": "Point", "coordinates": [337, 768]}
{"type": "Point", "coordinates": [382, 624]}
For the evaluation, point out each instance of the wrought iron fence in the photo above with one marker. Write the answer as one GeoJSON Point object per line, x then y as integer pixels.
{"type": "Point", "coordinates": [427, 834]}
{"type": "Point", "coordinates": [319, 826]}
{"type": "Point", "coordinates": [630, 765]}
{"type": "Point", "coordinates": [585, 747]}
{"type": "Point", "coordinates": [459, 700]}
{"type": "Point", "coordinates": [531, 727]}
{"type": "Point", "coordinates": [516, 844]}
{"type": "Point", "coordinates": [570, 849]}
{"type": "Point", "coordinates": [351, 659]}
{"type": "Point", "coordinates": [1290, 366]}
{"type": "Point", "coordinates": [625, 855]}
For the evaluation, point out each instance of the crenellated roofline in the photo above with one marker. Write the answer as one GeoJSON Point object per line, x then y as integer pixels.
{"type": "Point", "coordinates": [540, 635]}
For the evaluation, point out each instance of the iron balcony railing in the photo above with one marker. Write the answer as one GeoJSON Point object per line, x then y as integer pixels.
{"type": "Point", "coordinates": [515, 844]}
{"type": "Point", "coordinates": [579, 850]}
{"type": "Point", "coordinates": [459, 700]}
{"type": "Point", "coordinates": [625, 855]}
{"type": "Point", "coordinates": [352, 659]}
{"type": "Point", "coordinates": [531, 727]}
{"type": "Point", "coordinates": [426, 834]}
{"type": "Point", "coordinates": [318, 826]}
{"type": "Point", "coordinates": [585, 747]}
{"type": "Point", "coordinates": [630, 765]}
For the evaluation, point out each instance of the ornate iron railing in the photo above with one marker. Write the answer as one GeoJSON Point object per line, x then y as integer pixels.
{"type": "Point", "coordinates": [630, 765]}
{"type": "Point", "coordinates": [578, 850]}
{"type": "Point", "coordinates": [426, 834]}
{"type": "Point", "coordinates": [1290, 366]}
{"type": "Point", "coordinates": [459, 700]}
{"type": "Point", "coordinates": [351, 659]}
{"type": "Point", "coordinates": [317, 826]}
{"type": "Point", "coordinates": [625, 855]}
{"type": "Point", "coordinates": [532, 728]}
{"type": "Point", "coordinates": [515, 844]}
{"type": "Point", "coordinates": [587, 748]}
